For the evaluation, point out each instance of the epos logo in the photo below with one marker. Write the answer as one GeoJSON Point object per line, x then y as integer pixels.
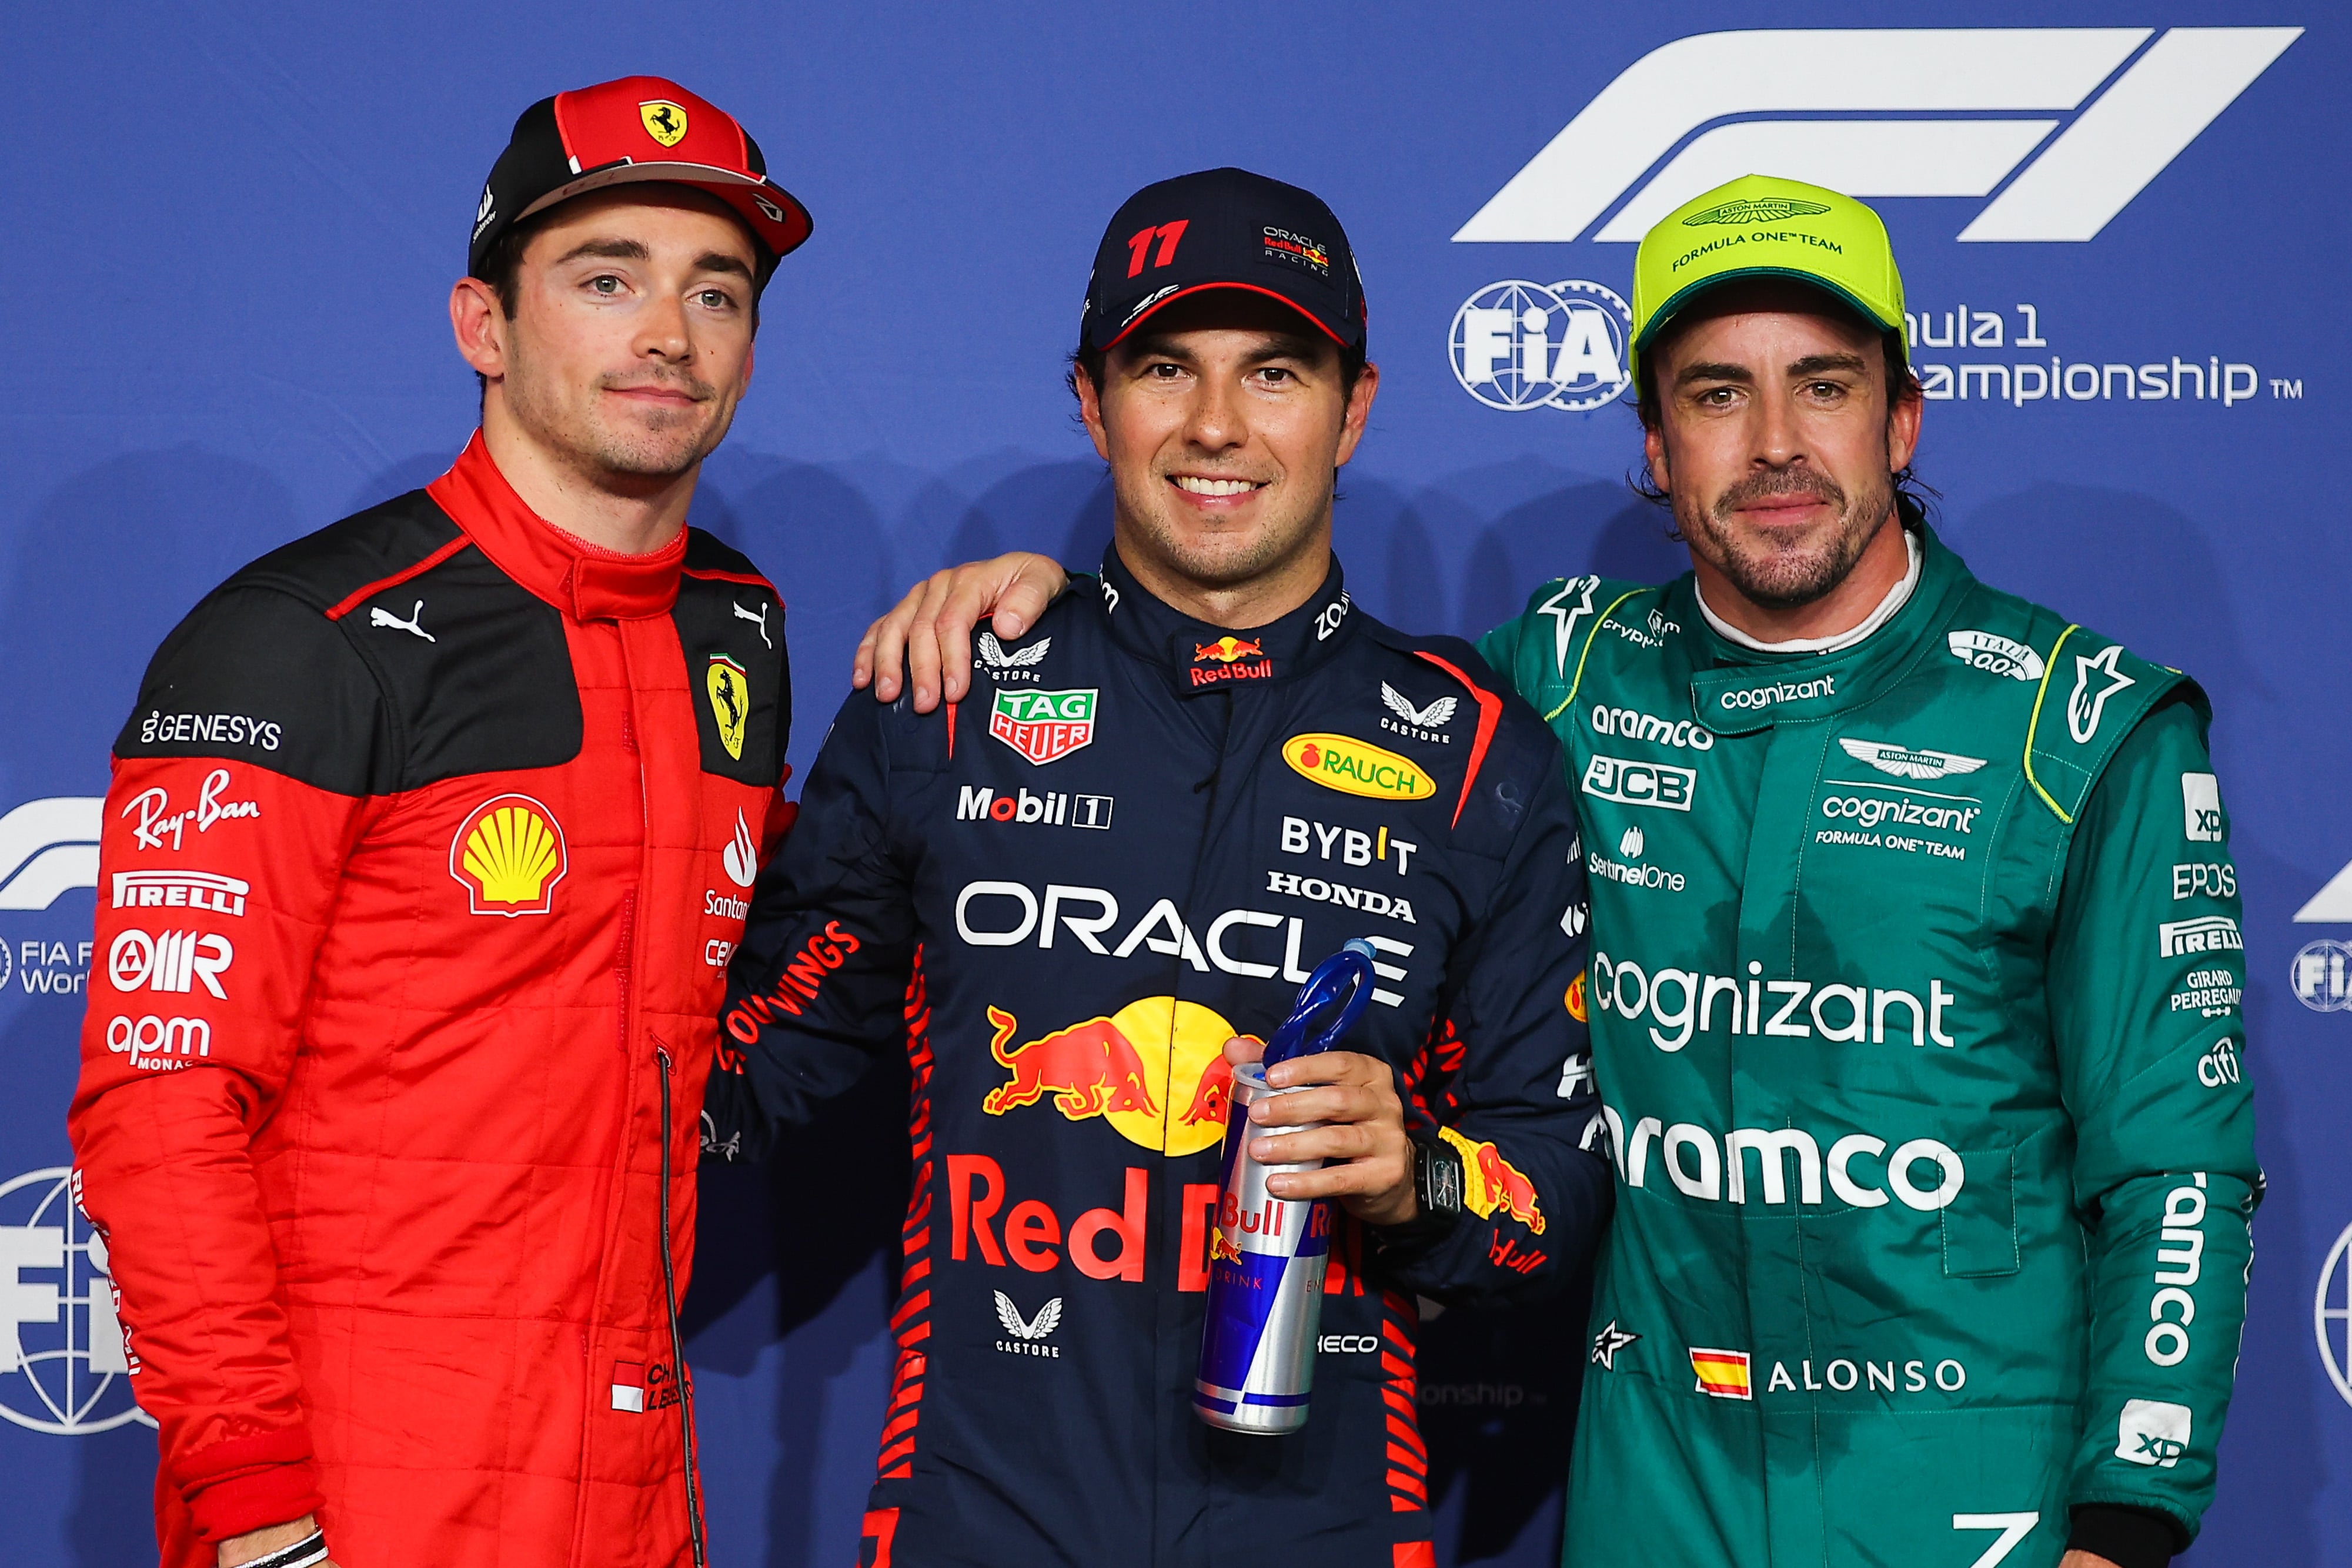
{"type": "Point", "coordinates": [2076, 120]}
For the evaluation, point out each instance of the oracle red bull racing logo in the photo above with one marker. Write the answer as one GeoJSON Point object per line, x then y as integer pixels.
{"type": "Point", "coordinates": [1490, 1182]}
{"type": "Point", "coordinates": [1155, 1070]}
{"type": "Point", "coordinates": [1221, 660]}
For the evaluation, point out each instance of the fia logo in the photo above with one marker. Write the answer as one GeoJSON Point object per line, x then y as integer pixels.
{"type": "Point", "coordinates": [64, 1368]}
{"type": "Point", "coordinates": [2331, 1314]}
{"type": "Point", "coordinates": [1519, 345]}
{"type": "Point", "coordinates": [1949, 85]}
{"type": "Point", "coordinates": [2321, 975]}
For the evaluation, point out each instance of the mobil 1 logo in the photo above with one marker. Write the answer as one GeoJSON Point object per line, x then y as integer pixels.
{"type": "Point", "coordinates": [1050, 809]}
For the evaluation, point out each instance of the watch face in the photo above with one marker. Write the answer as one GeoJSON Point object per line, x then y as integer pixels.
{"type": "Point", "coordinates": [1441, 1183]}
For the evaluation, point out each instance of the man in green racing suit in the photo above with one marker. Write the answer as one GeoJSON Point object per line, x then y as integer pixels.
{"type": "Point", "coordinates": [1915, 974]}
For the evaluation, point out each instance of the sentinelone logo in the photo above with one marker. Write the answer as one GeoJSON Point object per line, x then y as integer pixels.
{"type": "Point", "coordinates": [1919, 111]}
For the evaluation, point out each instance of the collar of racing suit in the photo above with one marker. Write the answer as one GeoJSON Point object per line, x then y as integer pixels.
{"type": "Point", "coordinates": [1737, 689]}
{"type": "Point", "coordinates": [585, 581]}
{"type": "Point", "coordinates": [1199, 657]}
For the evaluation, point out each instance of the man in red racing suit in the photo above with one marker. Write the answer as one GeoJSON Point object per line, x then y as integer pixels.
{"type": "Point", "coordinates": [427, 847]}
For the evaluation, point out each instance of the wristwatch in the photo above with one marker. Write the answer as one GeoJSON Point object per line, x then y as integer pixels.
{"type": "Point", "coordinates": [1437, 1179]}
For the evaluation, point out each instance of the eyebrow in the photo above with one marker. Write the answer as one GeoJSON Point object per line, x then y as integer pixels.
{"type": "Point", "coordinates": [635, 250]}
{"type": "Point", "coordinates": [1811, 365]}
{"type": "Point", "coordinates": [1281, 346]}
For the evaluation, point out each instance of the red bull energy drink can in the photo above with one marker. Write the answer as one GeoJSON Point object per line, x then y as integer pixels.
{"type": "Point", "coordinates": [1265, 1284]}
{"type": "Point", "coordinates": [1268, 1254]}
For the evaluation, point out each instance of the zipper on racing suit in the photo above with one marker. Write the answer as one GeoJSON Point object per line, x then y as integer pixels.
{"type": "Point", "coordinates": [677, 1339]}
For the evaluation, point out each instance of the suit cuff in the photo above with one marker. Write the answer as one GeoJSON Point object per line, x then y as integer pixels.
{"type": "Point", "coordinates": [2127, 1537]}
{"type": "Point", "coordinates": [249, 1483]}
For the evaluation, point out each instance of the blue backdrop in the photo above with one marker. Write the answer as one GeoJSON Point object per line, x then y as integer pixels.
{"type": "Point", "coordinates": [233, 232]}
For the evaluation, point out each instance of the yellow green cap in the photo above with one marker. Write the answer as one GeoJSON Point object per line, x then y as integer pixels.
{"type": "Point", "coordinates": [1758, 225]}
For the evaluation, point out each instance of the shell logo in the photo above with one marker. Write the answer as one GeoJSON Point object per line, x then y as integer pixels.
{"type": "Point", "coordinates": [509, 853]}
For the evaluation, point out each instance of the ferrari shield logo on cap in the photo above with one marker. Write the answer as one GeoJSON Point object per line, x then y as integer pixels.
{"type": "Point", "coordinates": [665, 121]}
{"type": "Point", "coordinates": [730, 701]}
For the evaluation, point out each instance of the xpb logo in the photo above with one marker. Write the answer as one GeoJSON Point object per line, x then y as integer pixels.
{"type": "Point", "coordinates": [2067, 124]}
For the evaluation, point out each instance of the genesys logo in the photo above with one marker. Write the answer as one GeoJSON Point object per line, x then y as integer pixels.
{"type": "Point", "coordinates": [47, 846]}
{"type": "Point", "coordinates": [1921, 111]}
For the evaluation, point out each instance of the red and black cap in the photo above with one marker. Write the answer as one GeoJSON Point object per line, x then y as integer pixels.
{"type": "Point", "coordinates": [638, 128]}
{"type": "Point", "coordinates": [1223, 228]}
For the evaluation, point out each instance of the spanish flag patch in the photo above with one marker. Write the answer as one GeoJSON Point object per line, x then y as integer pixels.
{"type": "Point", "coordinates": [1721, 1372]}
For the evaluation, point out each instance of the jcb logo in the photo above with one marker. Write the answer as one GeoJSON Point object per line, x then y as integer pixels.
{"type": "Point", "coordinates": [1640, 783]}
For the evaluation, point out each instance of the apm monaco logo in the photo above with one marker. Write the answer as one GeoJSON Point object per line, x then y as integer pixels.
{"type": "Point", "coordinates": [1518, 345]}
{"type": "Point", "coordinates": [508, 855]}
{"type": "Point", "coordinates": [47, 846]}
{"type": "Point", "coordinates": [64, 1368]}
{"type": "Point", "coordinates": [1922, 112]}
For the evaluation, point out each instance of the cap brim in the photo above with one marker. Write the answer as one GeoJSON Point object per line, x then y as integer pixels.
{"type": "Point", "coordinates": [1157, 306]}
{"type": "Point", "coordinates": [1680, 300]}
{"type": "Point", "coordinates": [783, 231]}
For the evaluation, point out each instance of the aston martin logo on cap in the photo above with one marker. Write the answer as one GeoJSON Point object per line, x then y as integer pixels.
{"type": "Point", "coordinates": [665, 121]}
{"type": "Point", "coordinates": [1764, 210]}
{"type": "Point", "coordinates": [508, 854]}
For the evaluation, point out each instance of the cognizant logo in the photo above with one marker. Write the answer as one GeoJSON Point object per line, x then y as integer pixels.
{"type": "Point", "coordinates": [1793, 1010]}
{"type": "Point", "coordinates": [2067, 125]}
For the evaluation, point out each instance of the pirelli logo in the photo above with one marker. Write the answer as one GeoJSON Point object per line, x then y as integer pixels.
{"type": "Point", "coordinates": [2208, 934]}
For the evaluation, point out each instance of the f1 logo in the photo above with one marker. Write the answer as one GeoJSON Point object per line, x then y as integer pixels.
{"type": "Point", "coordinates": [1757, 84]}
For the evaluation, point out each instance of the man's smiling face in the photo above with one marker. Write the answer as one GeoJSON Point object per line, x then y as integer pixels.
{"type": "Point", "coordinates": [631, 340]}
{"type": "Point", "coordinates": [1776, 440]}
{"type": "Point", "coordinates": [1225, 420]}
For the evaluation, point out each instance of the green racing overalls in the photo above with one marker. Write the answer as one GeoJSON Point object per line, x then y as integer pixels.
{"type": "Point", "coordinates": [1914, 1007]}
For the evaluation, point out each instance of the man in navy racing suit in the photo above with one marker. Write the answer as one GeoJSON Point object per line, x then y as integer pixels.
{"type": "Point", "coordinates": [1067, 895]}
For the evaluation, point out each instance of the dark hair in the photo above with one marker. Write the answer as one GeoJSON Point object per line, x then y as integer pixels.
{"type": "Point", "coordinates": [1912, 497]}
{"type": "Point", "coordinates": [1088, 361]}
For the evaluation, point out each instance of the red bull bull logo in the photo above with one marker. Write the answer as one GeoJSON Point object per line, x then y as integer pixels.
{"type": "Point", "coordinates": [1226, 650]}
{"type": "Point", "coordinates": [1490, 1182]}
{"type": "Point", "coordinates": [1155, 1070]}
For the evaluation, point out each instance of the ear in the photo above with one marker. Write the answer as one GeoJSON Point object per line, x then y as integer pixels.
{"type": "Point", "coordinates": [1091, 407]}
{"type": "Point", "coordinates": [1653, 448]}
{"type": "Point", "coordinates": [479, 323]}
{"type": "Point", "coordinates": [1903, 418]}
{"type": "Point", "coordinates": [1359, 411]}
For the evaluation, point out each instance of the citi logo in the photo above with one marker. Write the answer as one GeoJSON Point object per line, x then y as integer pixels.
{"type": "Point", "coordinates": [2062, 127]}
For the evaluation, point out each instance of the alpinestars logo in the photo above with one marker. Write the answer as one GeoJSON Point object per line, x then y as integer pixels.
{"type": "Point", "coordinates": [47, 846]}
{"type": "Point", "coordinates": [1925, 112]}
{"type": "Point", "coordinates": [1905, 762]}
{"type": "Point", "coordinates": [2086, 706]}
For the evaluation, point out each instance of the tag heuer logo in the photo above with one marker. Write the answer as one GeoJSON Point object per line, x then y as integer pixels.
{"type": "Point", "coordinates": [1770, 210]}
{"type": "Point", "coordinates": [1905, 763]}
{"type": "Point", "coordinates": [1044, 727]}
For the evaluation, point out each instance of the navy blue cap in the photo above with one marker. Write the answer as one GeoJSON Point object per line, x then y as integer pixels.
{"type": "Point", "coordinates": [1223, 228]}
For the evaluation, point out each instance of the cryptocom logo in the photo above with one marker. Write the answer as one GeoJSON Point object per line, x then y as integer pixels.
{"type": "Point", "coordinates": [2060, 127]}
{"type": "Point", "coordinates": [64, 1369]}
